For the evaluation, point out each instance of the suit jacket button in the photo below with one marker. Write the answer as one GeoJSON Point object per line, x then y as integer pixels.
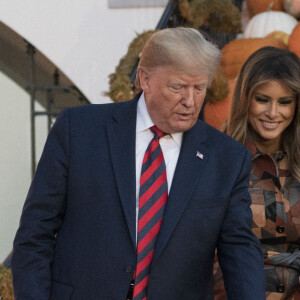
{"type": "Point", "coordinates": [280, 229]}
{"type": "Point", "coordinates": [280, 288]}
{"type": "Point", "coordinates": [128, 269]}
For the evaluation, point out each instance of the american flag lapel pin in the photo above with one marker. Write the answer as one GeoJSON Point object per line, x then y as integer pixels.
{"type": "Point", "coordinates": [199, 155]}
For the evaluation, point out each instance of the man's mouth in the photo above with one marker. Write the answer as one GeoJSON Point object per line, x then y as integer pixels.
{"type": "Point", "coordinates": [184, 116]}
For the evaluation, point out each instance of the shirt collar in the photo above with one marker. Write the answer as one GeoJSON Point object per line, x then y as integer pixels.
{"type": "Point", "coordinates": [278, 155]}
{"type": "Point", "coordinates": [144, 122]}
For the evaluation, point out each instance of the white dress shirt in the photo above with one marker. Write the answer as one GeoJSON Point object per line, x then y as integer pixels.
{"type": "Point", "coordinates": [170, 145]}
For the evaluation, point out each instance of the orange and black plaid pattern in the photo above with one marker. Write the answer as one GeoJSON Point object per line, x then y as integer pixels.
{"type": "Point", "coordinates": [276, 222]}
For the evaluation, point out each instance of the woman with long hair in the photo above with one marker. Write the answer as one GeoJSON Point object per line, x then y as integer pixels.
{"type": "Point", "coordinates": [265, 117]}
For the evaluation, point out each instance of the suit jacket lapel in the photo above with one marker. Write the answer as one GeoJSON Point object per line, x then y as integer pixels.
{"type": "Point", "coordinates": [121, 136]}
{"type": "Point", "coordinates": [187, 174]}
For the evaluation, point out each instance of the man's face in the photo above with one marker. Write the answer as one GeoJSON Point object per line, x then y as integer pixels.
{"type": "Point", "coordinates": [173, 98]}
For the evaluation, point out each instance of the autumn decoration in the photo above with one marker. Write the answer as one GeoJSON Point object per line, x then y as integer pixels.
{"type": "Point", "coordinates": [266, 22]}
{"type": "Point", "coordinates": [258, 6]}
{"type": "Point", "coordinates": [219, 15]}
{"type": "Point", "coordinates": [294, 40]}
{"type": "Point", "coordinates": [292, 7]}
{"type": "Point", "coordinates": [6, 289]}
{"type": "Point", "coordinates": [235, 53]}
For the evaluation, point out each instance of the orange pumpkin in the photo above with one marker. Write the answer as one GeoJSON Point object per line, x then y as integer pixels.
{"type": "Point", "coordinates": [257, 6]}
{"type": "Point", "coordinates": [294, 40]}
{"type": "Point", "coordinates": [235, 53]}
{"type": "Point", "coordinates": [216, 113]}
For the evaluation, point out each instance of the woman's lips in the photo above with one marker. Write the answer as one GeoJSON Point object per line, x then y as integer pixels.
{"type": "Point", "coordinates": [270, 125]}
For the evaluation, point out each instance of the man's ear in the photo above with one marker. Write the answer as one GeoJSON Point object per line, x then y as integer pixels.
{"type": "Point", "coordinates": [144, 79]}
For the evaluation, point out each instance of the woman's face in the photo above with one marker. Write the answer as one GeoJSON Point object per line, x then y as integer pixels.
{"type": "Point", "coordinates": [272, 109]}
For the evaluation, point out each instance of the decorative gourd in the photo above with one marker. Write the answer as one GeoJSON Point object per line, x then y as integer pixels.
{"type": "Point", "coordinates": [294, 40]}
{"type": "Point", "coordinates": [216, 113]}
{"type": "Point", "coordinates": [264, 23]}
{"type": "Point", "coordinates": [292, 7]}
{"type": "Point", "coordinates": [219, 15]}
{"type": "Point", "coordinates": [235, 53]}
{"type": "Point", "coordinates": [280, 35]}
{"type": "Point", "coordinates": [258, 6]}
{"type": "Point", "coordinates": [6, 289]}
{"type": "Point", "coordinates": [219, 88]}
{"type": "Point", "coordinates": [120, 87]}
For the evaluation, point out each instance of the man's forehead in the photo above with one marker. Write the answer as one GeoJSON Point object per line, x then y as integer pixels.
{"type": "Point", "coordinates": [185, 70]}
{"type": "Point", "coordinates": [184, 77]}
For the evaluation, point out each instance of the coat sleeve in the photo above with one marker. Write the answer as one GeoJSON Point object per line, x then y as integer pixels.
{"type": "Point", "coordinates": [42, 217]}
{"type": "Point", "coordinates": [239, 251]}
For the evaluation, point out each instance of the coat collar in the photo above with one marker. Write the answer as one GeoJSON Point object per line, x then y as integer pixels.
{"type": "Point", "coordinates": [121, 137]}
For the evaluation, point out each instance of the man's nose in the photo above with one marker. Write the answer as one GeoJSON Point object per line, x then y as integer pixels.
{"type": "Point", "coordinates": [188, 97]}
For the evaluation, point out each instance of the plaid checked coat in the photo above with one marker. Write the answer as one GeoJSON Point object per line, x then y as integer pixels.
{"type": "Point", "coordinates": [276, 222]}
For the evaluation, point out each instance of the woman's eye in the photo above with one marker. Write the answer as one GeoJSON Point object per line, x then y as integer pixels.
{"type": "Point", "coordinates": [285, 102]}
{"type": "Point", "coordinates": [261, 100]}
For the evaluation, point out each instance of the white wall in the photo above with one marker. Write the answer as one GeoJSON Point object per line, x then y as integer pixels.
{"type": "Point", "coordinates": [84, 38]}
{"type": "Point", "coordinates": [15, 157]}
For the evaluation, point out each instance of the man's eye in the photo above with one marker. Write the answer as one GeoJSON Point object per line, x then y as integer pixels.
{"type": "Point", "coordinates": [261, 100]}
{"type": "Point", "coordinates": [200, 88]}
{"type": "Point", "coordinates": [176, 87]}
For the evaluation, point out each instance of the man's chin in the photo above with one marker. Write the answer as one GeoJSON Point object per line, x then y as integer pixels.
{"type": "Point", "coordinates": [182, 126]}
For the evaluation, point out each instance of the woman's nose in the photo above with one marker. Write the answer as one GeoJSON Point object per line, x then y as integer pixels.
{"type": "Point", "coordinates": [272, 111]}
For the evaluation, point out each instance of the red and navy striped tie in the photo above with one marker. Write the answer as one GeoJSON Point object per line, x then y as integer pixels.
{"type": "Point", "coordinates": [152, 199]}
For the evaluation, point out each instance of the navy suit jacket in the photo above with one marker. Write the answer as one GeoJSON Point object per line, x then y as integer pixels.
{"type": "Point", "coordinates": [77, 235]}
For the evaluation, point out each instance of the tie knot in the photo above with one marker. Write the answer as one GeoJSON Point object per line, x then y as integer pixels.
{"type": "Point", "coordinates": [157, 132]}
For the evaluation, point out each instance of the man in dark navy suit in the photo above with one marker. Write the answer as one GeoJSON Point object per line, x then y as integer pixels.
{"type": "Point", "coordinates": [88, 219]}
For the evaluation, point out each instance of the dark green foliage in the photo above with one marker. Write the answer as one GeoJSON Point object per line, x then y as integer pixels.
{"type": "Point", "coordinates": [121, 88]}
{"type": "Point", "coordinates": [6, 290]}
{"type": "Point", "coordinates": [219, 15]}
